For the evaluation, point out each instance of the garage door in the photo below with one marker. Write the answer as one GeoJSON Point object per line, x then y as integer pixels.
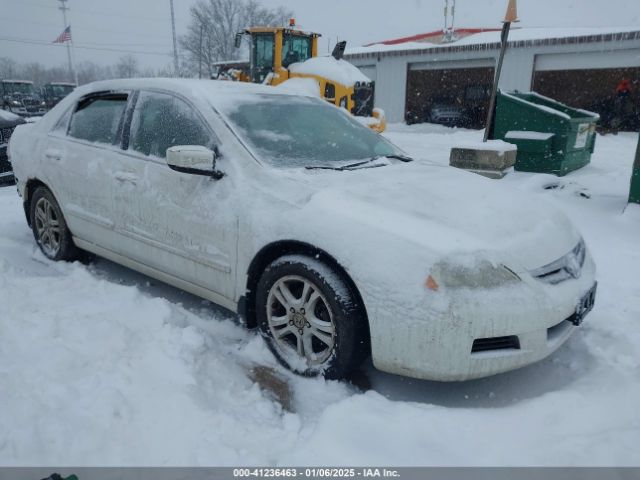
{"type": "Point", "coordinates": [460, 88]}
{"type": "Point", "coordinates": [594, 89]}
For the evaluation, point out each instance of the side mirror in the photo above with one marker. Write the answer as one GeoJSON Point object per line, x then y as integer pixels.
{"type": "Point", "coordinates": [192, 159]}
{"type": "Point", "coordinates": [238, 40]}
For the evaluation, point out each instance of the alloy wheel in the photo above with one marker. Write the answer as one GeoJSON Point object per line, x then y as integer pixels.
{"type": "Point", "coordinates": [300, 319]}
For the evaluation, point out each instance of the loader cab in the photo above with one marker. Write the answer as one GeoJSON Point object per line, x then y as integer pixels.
{"type": "Point", "coordinates": [273, 49]}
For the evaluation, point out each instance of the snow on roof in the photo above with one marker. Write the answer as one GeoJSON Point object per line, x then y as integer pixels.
{"type": "Point", "coordinates": [7, 80]}
{"type": "Point", "coordinates": [517, 37]}
{"type": "Point", "coordinates": [339, 71]}
{"type": "Point", "coordinates": [209, 89]}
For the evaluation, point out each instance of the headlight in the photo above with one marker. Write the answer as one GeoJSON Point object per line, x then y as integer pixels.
{"type": "Point", "coordinates": [42, 104]}
{"type": "Point", "coordinates": [483, 274]}
{"type": "Point", "coordinates": [15, 103]}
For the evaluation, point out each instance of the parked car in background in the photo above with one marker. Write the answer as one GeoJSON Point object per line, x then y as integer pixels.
{"type": "Point", "coordinates": [446, 111]}
{"type": "Point", "coordinates": [53, 92]}
{"type": "Point", "coordinates": [320, 232]}
{"type": "Point", "coordinates": [20, 97]}
{"type": "Point", "coordinates": [8, 122]}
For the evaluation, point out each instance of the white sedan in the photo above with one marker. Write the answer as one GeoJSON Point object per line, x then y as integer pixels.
{"type": "Point", "coordinates": [318, 231]}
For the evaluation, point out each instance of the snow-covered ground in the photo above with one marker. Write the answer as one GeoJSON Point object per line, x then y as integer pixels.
{"type": "Point", "coordinates": [103, 366]}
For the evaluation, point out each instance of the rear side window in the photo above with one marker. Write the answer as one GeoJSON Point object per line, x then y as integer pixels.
{"type": "Point", "coordinates": [161, 121]}
{"type": "Point", "coordinates": [97, 118]}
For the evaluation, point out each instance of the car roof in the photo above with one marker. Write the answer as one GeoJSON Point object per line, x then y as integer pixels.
{"type": "Point", "coordinates": [186, 86]}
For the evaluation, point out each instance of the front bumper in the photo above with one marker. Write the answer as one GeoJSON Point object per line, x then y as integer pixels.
{"type": "Point", "coordinates": [6, 172]}
{"type": "Point", "coordinates": [431, 345]}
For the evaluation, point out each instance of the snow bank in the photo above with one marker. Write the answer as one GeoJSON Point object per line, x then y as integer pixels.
{"type": "Point", "coordinates": [339, 71]}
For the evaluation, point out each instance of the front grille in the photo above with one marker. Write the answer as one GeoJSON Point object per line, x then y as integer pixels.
{"type": "Point", "coordinates": [5, 135]}
{"type": "Point", "coordinates": [495, 343]}
{"type": "Point", "coordinates": [566, 267]}
{"type": "Point", "coordinates": [5, 166]}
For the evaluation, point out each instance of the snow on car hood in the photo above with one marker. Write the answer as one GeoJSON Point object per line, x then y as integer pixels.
{"type": "Point", "coordinates": [447, 210]}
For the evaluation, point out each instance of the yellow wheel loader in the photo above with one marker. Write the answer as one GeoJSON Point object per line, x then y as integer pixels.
{"type": "Point", "coordinates": [279, 54]}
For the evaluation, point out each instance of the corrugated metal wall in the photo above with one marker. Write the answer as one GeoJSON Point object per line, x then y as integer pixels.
{"type": "Point", "coordinates": [391, 67]}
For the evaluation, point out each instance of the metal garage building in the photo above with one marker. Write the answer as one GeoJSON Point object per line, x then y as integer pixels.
{"type": "Point", "coordinates": [579, 66]}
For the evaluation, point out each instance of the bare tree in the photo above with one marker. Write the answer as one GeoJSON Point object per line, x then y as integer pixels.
{"type": "Point", "coordinates": [127, 67]}
{"type": "Point", "coordinates": [214, 23]}
{"type": "Point", "coordinates": [8, 68]}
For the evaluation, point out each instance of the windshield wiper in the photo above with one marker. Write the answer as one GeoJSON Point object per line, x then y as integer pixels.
{"type": "Point", "coordinates": [402, 158]}
{"type": "Point", "coordinates": [348, 166]}
{"type": "Point", "coordinates": [352, 166]}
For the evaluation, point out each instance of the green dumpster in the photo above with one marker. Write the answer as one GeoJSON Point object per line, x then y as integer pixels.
{"type": "Point", "coordinates": [551, 137]}
{"type": "Point", "coordinates": [634, 192]}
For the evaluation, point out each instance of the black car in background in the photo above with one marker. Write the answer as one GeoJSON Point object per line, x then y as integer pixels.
{"type": "Point", "coordinates": [21, 98]}
{"type": "Point", "coordinates": [53, 92]}
{"type": "Point", "coordinates": [8, 122]}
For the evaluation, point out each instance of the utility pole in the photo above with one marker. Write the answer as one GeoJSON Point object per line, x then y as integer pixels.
{"type": "Point", "coordinates": [175, 43]}
{"type": "Point", "coordinates": [200, 52]}
{"type": "Point", "coordinates": [72, 71]}
{"type": "Point", "coordinates": [511, 16]}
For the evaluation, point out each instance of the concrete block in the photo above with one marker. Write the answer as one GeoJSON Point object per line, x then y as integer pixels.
{"type": "Point", "coordinates": [488, 159]}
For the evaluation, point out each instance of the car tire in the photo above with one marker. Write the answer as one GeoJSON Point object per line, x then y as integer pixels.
{"type": "Point", "coordinates": [310, 318]}
{"type": "Point", "coordinates": [49, 227]}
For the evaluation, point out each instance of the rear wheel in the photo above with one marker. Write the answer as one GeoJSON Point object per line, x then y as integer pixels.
{"type": "Point", "coordinates": [310, 318]}
{"type": "Point", "coordinates": [49, 227]}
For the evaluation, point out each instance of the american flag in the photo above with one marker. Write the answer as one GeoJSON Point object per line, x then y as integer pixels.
{"type": "Point", "coordinates": [65, 36]}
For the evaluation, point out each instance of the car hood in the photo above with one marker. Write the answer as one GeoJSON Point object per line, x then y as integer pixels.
{"type": "Point", "coordinates": [446, 210]}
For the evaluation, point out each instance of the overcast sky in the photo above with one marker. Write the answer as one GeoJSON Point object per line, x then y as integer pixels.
{"type": "Point", "coordinates": [139, 26]}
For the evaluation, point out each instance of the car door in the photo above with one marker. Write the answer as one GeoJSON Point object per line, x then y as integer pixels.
{"type": "Point", "coordinates": [78, 157]}
{"type": "Point", "coordinates": [181, 224]}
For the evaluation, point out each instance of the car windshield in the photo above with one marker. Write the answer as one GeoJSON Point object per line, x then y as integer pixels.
{"type": "Point", "coordinates": [292, 131]}
{"type": "Point", "coordinates": [61, 89]}
{"type": "Point", "coordinates": [18, 87]}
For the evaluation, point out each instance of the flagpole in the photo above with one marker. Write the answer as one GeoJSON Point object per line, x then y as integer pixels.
{"type": "Point", "coordinates": [72, 70]}
{"type": "Point", "coordinates": [73, 57]}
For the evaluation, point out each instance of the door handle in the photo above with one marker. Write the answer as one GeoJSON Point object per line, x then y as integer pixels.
{"type": "Point", "coordinates": [126, 177]}
{"type": "Point", "coordinates": [53, 154]}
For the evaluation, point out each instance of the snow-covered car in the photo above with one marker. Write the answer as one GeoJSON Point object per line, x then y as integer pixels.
{"type": "Point", "coordinates": [319, 232]}
{"type": "Point", "coordinates": [8, 122]}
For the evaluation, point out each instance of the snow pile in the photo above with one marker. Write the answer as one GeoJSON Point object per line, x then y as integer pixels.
{"type": "Point", "coordinates": [101, 366]}
{"type": "Point", "coordinates": [301, 86]}
{"type": "Point", "coordinates": [339, 71]}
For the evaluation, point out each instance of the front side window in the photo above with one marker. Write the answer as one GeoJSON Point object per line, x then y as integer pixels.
{"type": "Point", "coordinates": [295, 48]}
{"type": "Point", "coordinates": [292, 131]}
{"type": "Point", "coordinates": [97, 118]}
{"type": "Point", "coordinates": [161, 121]}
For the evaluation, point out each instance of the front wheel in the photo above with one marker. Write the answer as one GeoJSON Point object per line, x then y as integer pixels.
{"type": "Point", "coordinates": [49, 227]}
{"type": "Point", "coordinates": [310, 318]}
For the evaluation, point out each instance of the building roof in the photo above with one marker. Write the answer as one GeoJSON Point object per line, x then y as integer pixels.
{"type": "Point", "coordinates": [488, 39]}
